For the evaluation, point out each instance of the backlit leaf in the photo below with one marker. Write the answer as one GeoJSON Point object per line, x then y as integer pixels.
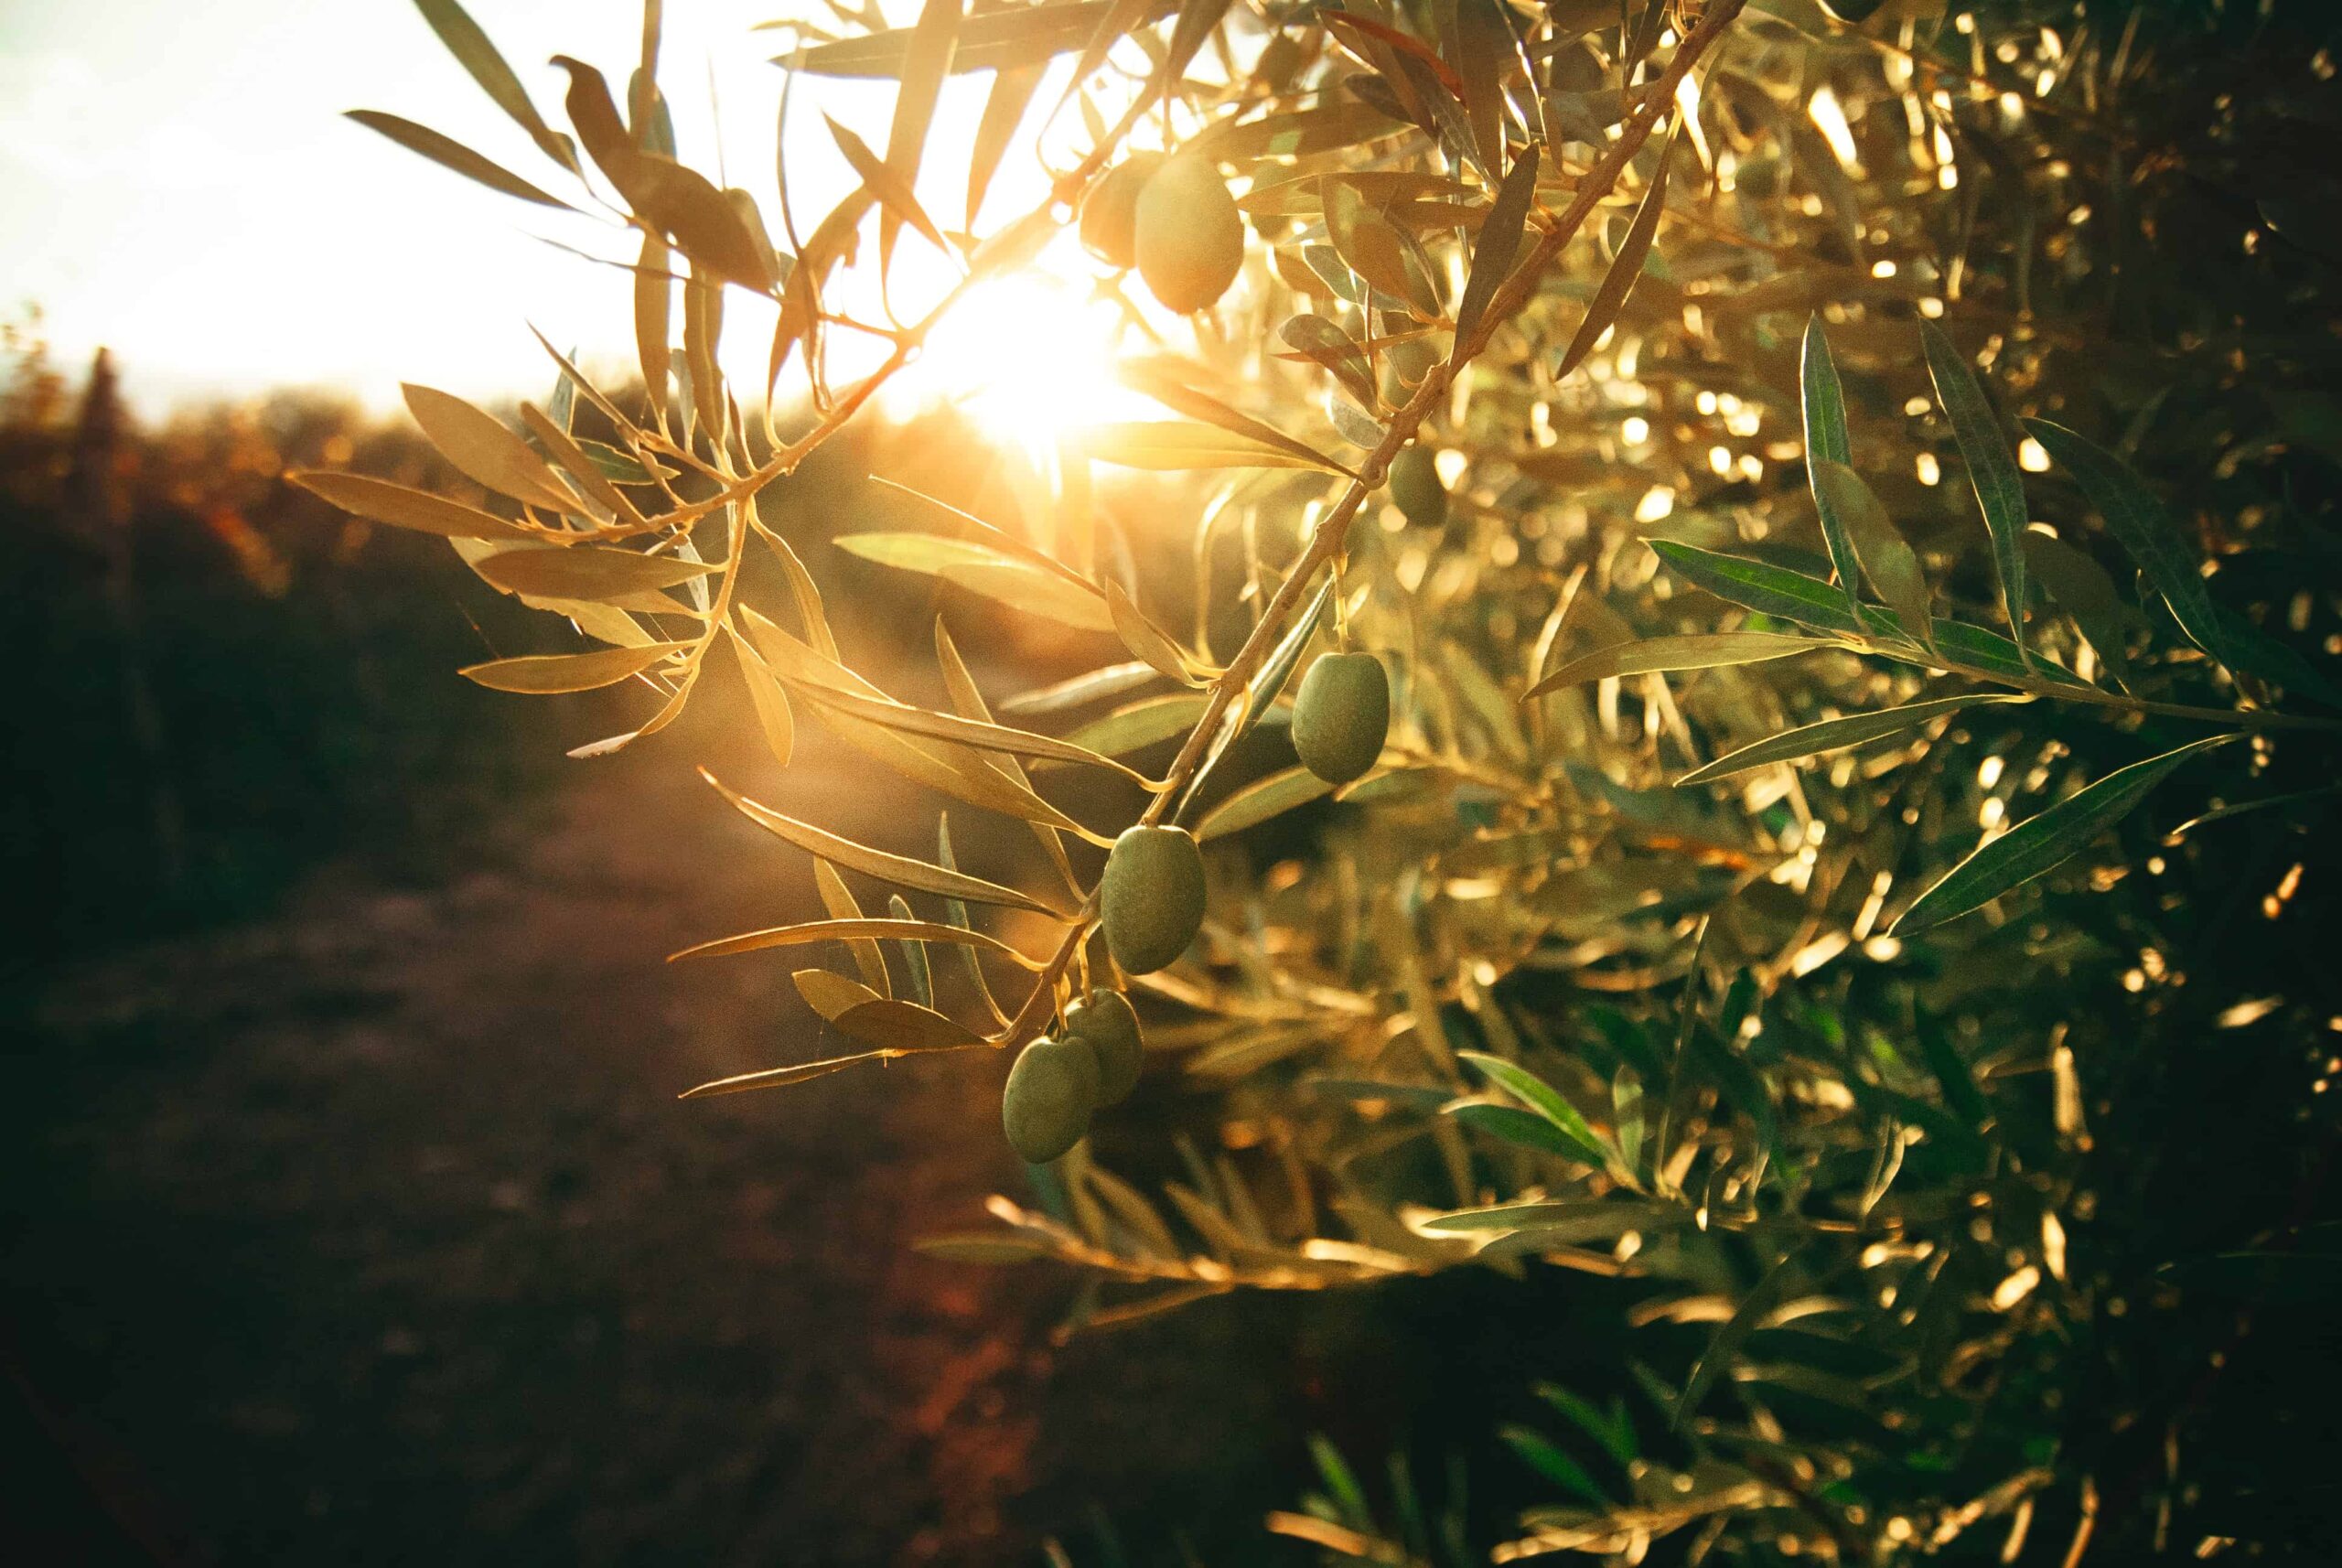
{"type": "Point", "coordinates": [1826, 439]}
{"type": "Point", "coordinates": [485, 451]}
{"type": "Point", "coordinates": [382, 502]}
{"type": "Point", "coordinates": [585, 571]}
{"type": "Point", "coordinates": [981, 569]}
{"type": "Point", "coordinates": [1835, 734]}
{"type": "Point", "coordinates": [470, 47]}
{"type": "Point", "coordinates": [449, 153]}
{"type": "Point", "coordinates": [1625, 267]}
{"type": "Point", "coordinates": [551, 673]}
{"type": "Point", "coordinates": [1173, 445]}
{"type": "Point", "coordinates": [1260, 800]}
{"type": "Point", "coordinates": [1498, 243]}
{"type": "Point", "coordinates": [1885, 555]}
{"type": "Point", "coordinates": [1653, 654]}
{"type": "Point", "coordinates": [900, 870]}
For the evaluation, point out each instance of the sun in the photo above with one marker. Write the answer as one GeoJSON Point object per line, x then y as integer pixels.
{"type": "Point", "coordinates": [1029, 357]}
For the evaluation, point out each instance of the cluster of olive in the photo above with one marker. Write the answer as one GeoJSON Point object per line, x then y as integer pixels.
{"type": "Point", "coordinates": [1150, 903]}
{"type": "Point", "coordinates": [1173, 219]}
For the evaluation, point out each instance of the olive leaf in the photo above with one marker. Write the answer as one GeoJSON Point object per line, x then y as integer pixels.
{"type": "Point", "coordinates": [1004, 105]}
{"type": "Point", "coordinates": [893, 192]}
{"type": "Point", "coordinates": [543, 673]}
{"type": "Point", "coordinates": [1546, 1102]}
{"type": "Point", "coordinates": [1836, 735]}
{"type": "Point", "coordinates": [991, 41]}
{"type": "Point", "coordinates": [2138, 521]}
{"type": "Point", "coordinates": [900, 870]}
{"type": "Point", "coordinates": [483, 451]}
{"type": "Point", "coordinates": [935, 38]}
{"type": "Point", "coordinates": [1137, 725]}
{"type": "Point", "coordinates": [1653, 655]}
{"type": "Point", "coordinates": [1991, 466]}
{"type": "Point", "coordinates": [1169, 383]}
{"type": "Point", "coordinates": [470, 47]}
{"type": "Point", "coordinates": [770, 702]}
{"type": "Point", "coordinates": [1260, 800]}
{"type": "Point", "coordinates": [448, 153]}
{"type": "Point", "coordinates": [1625, 267]}
{"type": "Point", "coordinates": [585, 571]}
{"type": "Point", "coordinates": [869, 958]}
{"type": "Point", "coordinates": [1178, 444]}
{"type": "Point", "coordinates": [1149, 641]}
{"type": "Point", "coordinates": [1826, 440]}
{"type": "Point", "coordinates": [382, 502]}
{"type": "Point", "coordinates": [1315, 339]}
{"type": "Point", "coordinates": [1500, 243]}
{"type": "Point", "coordinates": [2043, 842]}
{"type": "Point", "coordinates": [981, 569]}
{"type": "Point", "coordinates": [853, 931]}
{"type": "Point", "coordinates": [1885, 556]}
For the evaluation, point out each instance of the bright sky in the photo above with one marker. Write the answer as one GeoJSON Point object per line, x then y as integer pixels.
{"type": "Point", "coordinates": [179, 184]}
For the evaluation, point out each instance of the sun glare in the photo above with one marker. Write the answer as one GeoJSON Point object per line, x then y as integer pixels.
{"type": "Point", "coordinates": [1028, 357]}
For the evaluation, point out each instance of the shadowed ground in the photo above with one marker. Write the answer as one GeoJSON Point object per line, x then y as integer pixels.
{"type": "Point", "coordinates": [374, 1232]}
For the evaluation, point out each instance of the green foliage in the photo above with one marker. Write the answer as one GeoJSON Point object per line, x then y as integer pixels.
{"type": "Point", "coordinates": [1728, 909]}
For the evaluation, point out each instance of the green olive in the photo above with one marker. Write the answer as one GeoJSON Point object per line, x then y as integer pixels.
{"type": "Point", "coordinates": [1045, 1106]}
{"type": "Point", "coordinates": [1109, 212]}
{"type": "Point", "coordinates": [1415, 489]}
{"type": "Point", "coordinates": [1187, 235]}
{"type": "Point", "coordinates": [1153, 894]}
{"type": "Point", "coordinates": [1105, 1020]}
{"type": "Point", "coordinates": [1342, 715]}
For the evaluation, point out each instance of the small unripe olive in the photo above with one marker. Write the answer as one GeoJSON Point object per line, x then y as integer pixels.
{"type": "Point", "coordinates": [1342, 715]}
{"type": "Point", "coordinates": [1152, 897]}
{"type": "Point", "coordinates": [1109, 212]}
{"type": "Point", "coordinates": [1045, 1106]}
{"type": "Point", "coordinates": [1187, 235]}
{"type": "Point", "coordinates": [1105, 1020]}
{"type": "Point", "coordinates": [1415, 489]}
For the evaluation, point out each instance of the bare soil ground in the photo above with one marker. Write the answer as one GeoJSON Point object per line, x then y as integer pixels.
{"type": "Point", "coordinates": [374, 1233]}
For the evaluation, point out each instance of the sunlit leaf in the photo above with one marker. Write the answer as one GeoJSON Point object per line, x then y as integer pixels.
{"type": "Point", "coordinates": [1835, 734]}
{"type": "Point", "coordinates": [470, 47]}
{"type": "Point", "coordinates": [1625, 268]}
{"type": "Point", "coordinates": [1175, 444]}
{"type": "Point", "coordinates": [1826, 440]}
{"type": "Point", "coordinates": [1318, 340]}
{"type": "Point", "coordinates": [1094, 686]}
{"type": "Point", "coordinates": [1163, 380]}
{"type": "Point", "coordinates": [900, 870]}
{"type": "Point", "coordinates": [893, 192]}
{"type": "Point", "coordinates": [1498, 243]}
{"type": "Point", "coordinates": [1146, 640]}
{"type": "Point", "coordinates": [585, 571]}
{"type": "Point", "coordinates": [830, 995]}
{"type": "Point", "coordinates": [1147, 722]}
{"type": "Point", "coordinates": [935, 38]}
{"type": "Point", "coordinates": [840, 901]}
{"type": "Point", "coordinates": [551, 673]}
{"type": "Point", "coordinates": [2044, 842]}
{"type": "Point", "coordinates": [449, 153]}
{"type": "Point", "coordinates": [769, 699]}
{"type": "Point", "coordinates": [981, 569]}
{"type": "Point", "coordinates": [384, 501]}
{"type": "Point", "coordinates": [483, 451]}
{"type": "Point", "coordinates": [1004, 105]}
{"type": "Point", "coordinates": [993, 40]}
{"type": "Point", "coordinates": [1654, 654]}
{"type": "Point", "coordinates": [1260, 800]}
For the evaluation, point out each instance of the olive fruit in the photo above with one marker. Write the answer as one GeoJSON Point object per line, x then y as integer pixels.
{"type": "Point", "coordinates": [1045, 1106]}
{"type": "Point", "coordinates": [1153, 894]}
{"type": "Point", "coordinates": [1341, 715]}
{"type": "Point", "coordinates": [1187, 235]}
{"type": "Point", "coordinates": [1415, 489]}
{"type": "Point", "coordinates": [1404, 365]}
{"type": "Point", "coordinates": [1104, 1019]}
{"type": "Point", "coordinates": [1109, 212]}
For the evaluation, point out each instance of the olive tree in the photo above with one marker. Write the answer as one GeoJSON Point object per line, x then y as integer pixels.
{"type": "Point", "coordinates": [1792, 546]}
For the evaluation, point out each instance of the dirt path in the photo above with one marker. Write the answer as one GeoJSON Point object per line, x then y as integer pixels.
{"type": "Point", "coordinates": [374, 1233]}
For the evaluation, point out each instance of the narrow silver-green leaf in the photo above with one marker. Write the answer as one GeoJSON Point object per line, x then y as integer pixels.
{"type": "Point", "coordinates": [476, 55]}
{"type": "Point", "coordinates": [1886, 557]}
{"type": "Point", "coordinates": [2138, 522]}
{"type": "Point", "coordinates": [1260, 800]}
{"type": "Point", "coordinates": [1836, 735]}
{"type": "Point", "coordinates": [1498, 243]}
{"type": "Point", "coordinates": [1610, 297]}
{"type": "Point", "coordinates": [1651, 655]}
{"type": "Point", "coordinates": [1544, 1099]}
{"type": "Point", "coordinates": [448, 153]}
{"type": "Point", "coordinates": [1991, 466]}
{"type": "Point", "coordinates": [2044, 842]}
{"type": "Point", "coordinates": [1826, 439]}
